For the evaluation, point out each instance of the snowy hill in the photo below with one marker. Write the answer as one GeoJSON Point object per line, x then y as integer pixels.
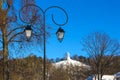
{"type": "Point", "coordinates": [69, 61]}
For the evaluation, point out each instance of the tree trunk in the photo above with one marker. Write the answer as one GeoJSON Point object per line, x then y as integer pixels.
{"type": "Point", "coordinates": [5, 54]}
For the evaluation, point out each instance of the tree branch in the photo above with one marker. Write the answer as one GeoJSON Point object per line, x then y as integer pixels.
{"type": "Point", "coordinates": [10, 40]}
{"type": "Point", "coordinates": [14, 30]}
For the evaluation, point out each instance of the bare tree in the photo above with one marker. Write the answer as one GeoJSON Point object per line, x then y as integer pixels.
{"type": "Point", "coordinates": [4, 7]}
{"type": "Point", "coordinates": [101, 50]}
{"type": "Point", "coordinates": [12, 34]}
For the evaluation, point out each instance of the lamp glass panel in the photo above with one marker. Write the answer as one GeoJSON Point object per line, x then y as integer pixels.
{"type": "Point", "coordinates": [28, 33]}
{"type": "Point", "coordinates": [60, 35]}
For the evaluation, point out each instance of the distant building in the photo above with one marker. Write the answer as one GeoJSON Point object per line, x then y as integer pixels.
{"type": "Point", "coordinates": [105, 77]}
{"type": "Point", "coordinates": [117, 76]}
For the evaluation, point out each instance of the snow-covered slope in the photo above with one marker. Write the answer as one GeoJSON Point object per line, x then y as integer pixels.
{"type": "Point", "coordinates": [69, 61]}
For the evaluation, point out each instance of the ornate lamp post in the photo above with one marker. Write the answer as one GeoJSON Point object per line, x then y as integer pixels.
{"type": "Point", "coordinates": [60, 32]}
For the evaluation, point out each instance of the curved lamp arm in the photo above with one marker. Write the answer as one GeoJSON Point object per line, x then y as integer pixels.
{"type": "Point", "coordinates": [44, 13]}
{"type": "Point", "coordinates": [57, 7]}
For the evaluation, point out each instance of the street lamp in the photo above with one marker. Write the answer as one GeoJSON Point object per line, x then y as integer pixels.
{"type": "Point", "coordinates": [28, 31]}
{"type": "Point", "coordinates": [60, 32]}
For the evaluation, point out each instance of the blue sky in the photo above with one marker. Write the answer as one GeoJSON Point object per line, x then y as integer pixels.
{"type": "Point", "coordinates": [85, 16]}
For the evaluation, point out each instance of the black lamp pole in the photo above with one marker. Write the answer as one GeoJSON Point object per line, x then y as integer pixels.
{"type": "Point", "coordinates": [60, 32]}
